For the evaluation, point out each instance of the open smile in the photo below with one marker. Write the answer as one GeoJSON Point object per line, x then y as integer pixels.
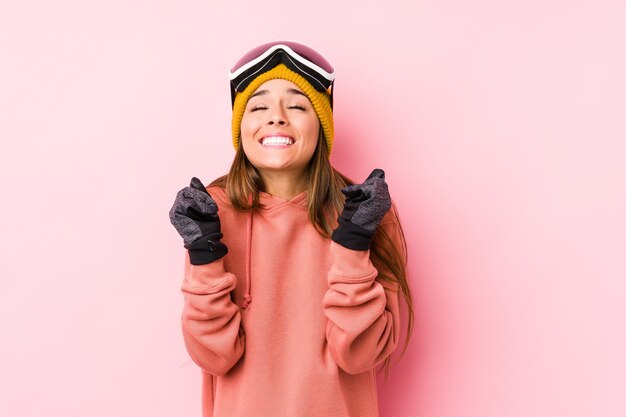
{"type": "Point", "coordinates": [276, 141]}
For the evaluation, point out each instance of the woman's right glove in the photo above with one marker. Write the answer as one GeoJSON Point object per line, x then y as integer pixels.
{"type": "Point", "coordinates": [194, 215]}
{"type": "Point", "coordinates": [366, 205]}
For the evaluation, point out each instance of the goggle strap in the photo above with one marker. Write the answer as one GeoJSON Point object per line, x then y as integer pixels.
{"type": "Point", "coordinates": [291, 53]}
{"type": "Point", "coordinates": [319, 82]}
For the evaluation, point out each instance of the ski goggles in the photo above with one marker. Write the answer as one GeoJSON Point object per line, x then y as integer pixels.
{"type": "Point", "coordinates": [296, 56]}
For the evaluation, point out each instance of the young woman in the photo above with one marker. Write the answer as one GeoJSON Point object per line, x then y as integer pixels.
{"type": "Point", "coordinates": [293, 274]}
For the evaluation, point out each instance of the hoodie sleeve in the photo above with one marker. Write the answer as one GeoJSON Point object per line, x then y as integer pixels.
{"type": "Point", "coordinates": [363, 313]}
{"type": "Point", "coordinates": [211, 322]}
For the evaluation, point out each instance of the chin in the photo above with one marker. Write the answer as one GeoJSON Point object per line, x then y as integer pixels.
{"type": "Point", "coordinates": [276, 167]}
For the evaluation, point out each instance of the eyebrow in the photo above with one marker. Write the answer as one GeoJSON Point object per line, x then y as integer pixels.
{"type": "Point", "coordinates": [289, 90]}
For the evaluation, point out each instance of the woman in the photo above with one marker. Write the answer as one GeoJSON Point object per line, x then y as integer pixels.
{"type": "Point", "coordinates": [293, 275]}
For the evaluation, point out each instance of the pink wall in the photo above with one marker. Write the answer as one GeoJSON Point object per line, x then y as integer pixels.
{"type": "Point", "coordinates": [501, 126]}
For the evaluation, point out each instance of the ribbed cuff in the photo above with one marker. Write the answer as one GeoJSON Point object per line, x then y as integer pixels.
{"type": "Point", "coordinates": [206, 249]}
{"type": "Point", "coordinates": [351, 236]}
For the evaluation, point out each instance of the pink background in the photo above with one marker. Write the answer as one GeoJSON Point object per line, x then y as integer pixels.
{"type": "Point", "coordinates": [502, 128]}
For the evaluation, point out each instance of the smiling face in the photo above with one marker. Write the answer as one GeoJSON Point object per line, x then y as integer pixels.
{"type": "Point", "coordinates": [279, 129]}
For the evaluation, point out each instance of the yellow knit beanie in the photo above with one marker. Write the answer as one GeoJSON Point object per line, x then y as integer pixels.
{"type": "Point", "coordinates": [320, 101]}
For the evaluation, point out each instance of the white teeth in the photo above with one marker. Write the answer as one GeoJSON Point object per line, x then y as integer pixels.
{"type": "Point", "coordinates": [276, 141]}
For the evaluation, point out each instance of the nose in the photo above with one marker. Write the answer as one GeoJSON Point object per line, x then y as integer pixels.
{"type": "Point", "coordinates": [277, 117]}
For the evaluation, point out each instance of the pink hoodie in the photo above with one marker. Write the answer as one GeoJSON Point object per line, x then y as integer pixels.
{"type": "Point", "coordinates": [317, 325]}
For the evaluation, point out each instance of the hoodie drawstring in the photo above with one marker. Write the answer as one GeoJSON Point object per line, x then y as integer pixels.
{"type": "Point", "coordinates": [247, 299]}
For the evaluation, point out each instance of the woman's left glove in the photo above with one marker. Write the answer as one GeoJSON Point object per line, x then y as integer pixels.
{"type": "Point", "coordinates": [194, 215]}
{"type": "Point", "coordinates": [366, 205]}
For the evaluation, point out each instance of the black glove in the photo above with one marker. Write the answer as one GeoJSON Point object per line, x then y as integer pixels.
{"type": "Point", "coordinates": [366, 205]}
{"type": "Point", "coordinates": [194, 215]}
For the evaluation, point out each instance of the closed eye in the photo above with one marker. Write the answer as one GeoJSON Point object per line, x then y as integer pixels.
{"type": "Point", "coordinates": [296, 107]}
{"type": "Point", "coordinates": [255, 108]}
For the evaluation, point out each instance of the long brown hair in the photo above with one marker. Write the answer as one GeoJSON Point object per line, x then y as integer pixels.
{"type": "Point", "coordinates": [243, 184]}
